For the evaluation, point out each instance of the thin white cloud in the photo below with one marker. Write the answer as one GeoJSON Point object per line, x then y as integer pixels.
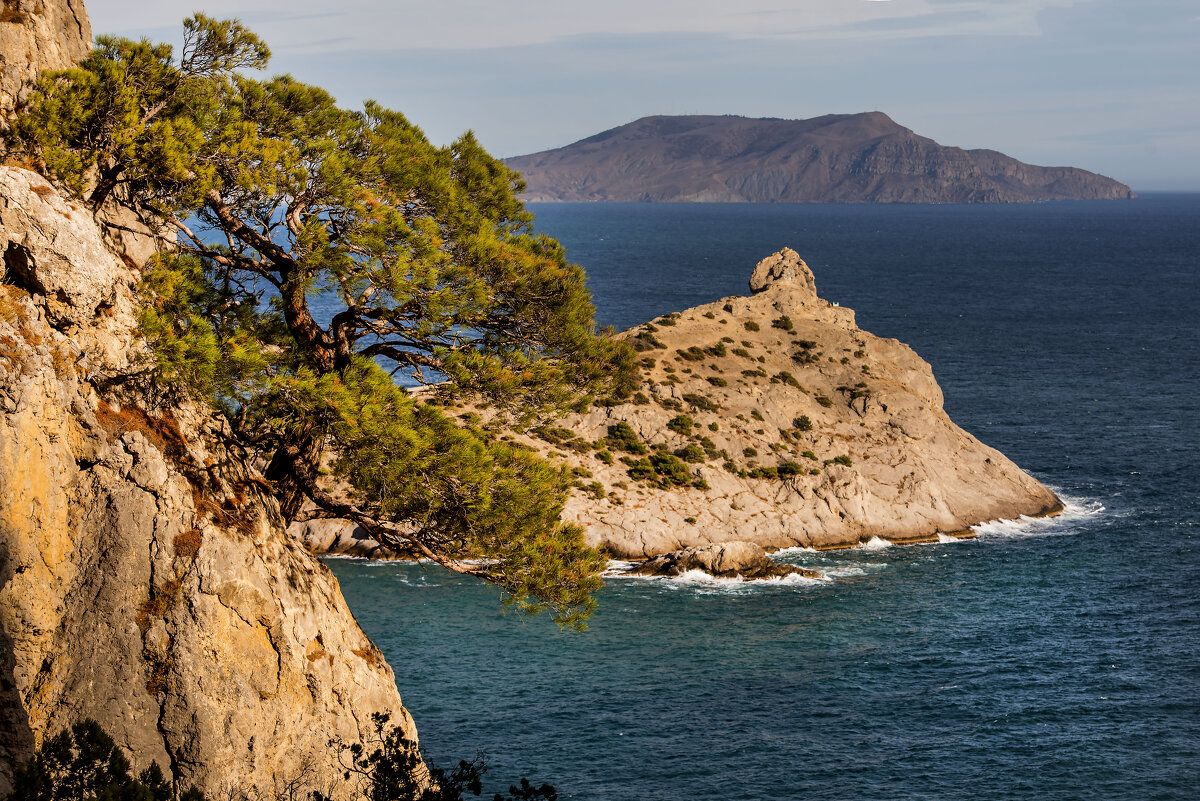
{"type": "Point", "coordinates": [474, 24]}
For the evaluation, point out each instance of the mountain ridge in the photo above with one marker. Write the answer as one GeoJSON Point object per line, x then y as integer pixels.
{"type": "Point", "coordinates": [834, 158]}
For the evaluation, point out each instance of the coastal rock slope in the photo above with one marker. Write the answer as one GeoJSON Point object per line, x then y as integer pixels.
{"type": "Point", "coordinates": [775, 419]}
{"type": "Point", "coordinates": [145, 579]}
{"type": "Point", "coordinates": [838, 158]}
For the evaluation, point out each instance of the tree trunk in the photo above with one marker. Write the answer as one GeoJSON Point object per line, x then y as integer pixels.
{"type": "Point", "coordinates": [288, 460]}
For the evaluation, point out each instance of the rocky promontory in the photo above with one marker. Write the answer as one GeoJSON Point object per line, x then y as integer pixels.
{"type": "Point", "coordinates": [776, 420]}
{"type": "Point", "coordinates": [837, 158]}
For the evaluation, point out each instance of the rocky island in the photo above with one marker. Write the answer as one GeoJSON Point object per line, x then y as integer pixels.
{"type": "Point", "coordinates": [837, 158]}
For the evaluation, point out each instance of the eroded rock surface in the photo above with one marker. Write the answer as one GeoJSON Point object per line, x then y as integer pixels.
{"type": "Point", "coordinates": [724, 559]}
{"type": "Point", "coordinates": [145, 578]}
{"type": "Point", "coordinates": [39, 35]}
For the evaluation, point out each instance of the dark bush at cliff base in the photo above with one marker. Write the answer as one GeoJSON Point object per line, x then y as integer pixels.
{"type": "Point", "coordinates": [84, 764]}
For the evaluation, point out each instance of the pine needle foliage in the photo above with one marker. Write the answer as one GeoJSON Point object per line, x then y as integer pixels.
{"type": "Point", "coordinates": [281, 199]}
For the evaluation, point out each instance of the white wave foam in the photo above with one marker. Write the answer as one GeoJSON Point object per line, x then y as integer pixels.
{"type": "Point", "coordinates": [875, 544]}
{"type": "Point", "coordinates": [1075, 511]}
{"type": "Point", "coordinates": [795, 550]}
{"type": "Point", "coordinates": [946, 538]}
{"type": "Point", "coordinates": [699, 581]}
{"type": "Point", "coordinates": [850, 571]}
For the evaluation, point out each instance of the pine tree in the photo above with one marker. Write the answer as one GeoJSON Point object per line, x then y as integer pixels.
{"type": "Point", "coordinates": [280, 197]}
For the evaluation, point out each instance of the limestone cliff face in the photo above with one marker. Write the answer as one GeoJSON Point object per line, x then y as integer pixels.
{"type": "Point", "coordinates": [805, 430]}
{"type": "Point", "coordinates": [39, 35]}
{"type": "Point", "coordinates": [145, 580]}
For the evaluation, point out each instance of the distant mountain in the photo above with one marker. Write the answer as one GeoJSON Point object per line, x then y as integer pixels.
{"type": "Point", "coordinates": [838, 158]}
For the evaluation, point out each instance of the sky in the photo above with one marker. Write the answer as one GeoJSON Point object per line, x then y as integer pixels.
{"type": "Point", "coordinates": [1111, 86]}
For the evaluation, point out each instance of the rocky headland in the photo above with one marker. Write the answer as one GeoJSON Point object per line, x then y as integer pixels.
{"type": "Point", "coordinates": [837, 158]}
{"type": "Point", "coordinates": [776, 420]}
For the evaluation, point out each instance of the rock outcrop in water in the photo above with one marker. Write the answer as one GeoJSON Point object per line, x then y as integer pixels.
{"type": "Point", "coordinates": [724, 560]}
{"type": "Point", "coordinates": [838, 158]}
{"type": "Point", "coordinates": [776, 420]}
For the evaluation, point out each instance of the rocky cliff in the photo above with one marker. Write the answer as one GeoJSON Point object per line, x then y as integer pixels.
{"type": "Point", "coordinates": [838, 158]}
{"type": "Point", "coordinates": [774, 419]}
{"type": "Point", "coordinates": [145, 580]}
{"type": "Point", "coordinates": [39, 35]}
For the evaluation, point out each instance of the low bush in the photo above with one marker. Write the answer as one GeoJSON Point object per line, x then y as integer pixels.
{"type": "Point", "coordinates": [716, 350]}
{"type": "Point", "coordinates": [681, 424]}
{"type": "Point", "coordinates": [788, 469]}
{"type": "Point", "coordinates": [701, 402]}
{"type": "Point", "coordinates": [622, 437]}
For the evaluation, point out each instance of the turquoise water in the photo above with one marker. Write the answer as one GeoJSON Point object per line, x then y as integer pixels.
{"type": "Point", "coordinates": [1044, 660]}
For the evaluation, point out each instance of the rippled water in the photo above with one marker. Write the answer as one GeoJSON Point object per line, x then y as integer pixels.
{"type": "Point", "coordinates": [1049, 659]}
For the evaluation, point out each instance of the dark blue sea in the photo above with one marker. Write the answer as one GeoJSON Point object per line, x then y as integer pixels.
{"type": "Point", "coordinates": [1047, 660]}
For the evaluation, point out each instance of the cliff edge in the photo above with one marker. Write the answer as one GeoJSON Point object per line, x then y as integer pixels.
{"type": "Point", "coordinates": [145, 579]}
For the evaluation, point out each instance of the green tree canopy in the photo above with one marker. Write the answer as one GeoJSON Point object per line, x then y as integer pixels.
{"type": "Point", "coordinates": [279, 198]}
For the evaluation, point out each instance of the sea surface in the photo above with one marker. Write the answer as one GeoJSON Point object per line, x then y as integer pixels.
{"type": "Point", "coordinates": [1053, 659]}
